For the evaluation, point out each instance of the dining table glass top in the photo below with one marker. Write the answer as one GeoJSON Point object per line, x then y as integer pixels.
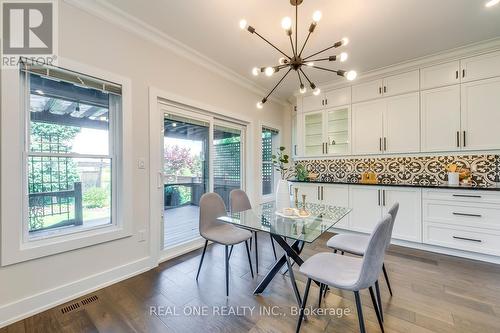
{"type": "Point", "coordinates": [315, 220]}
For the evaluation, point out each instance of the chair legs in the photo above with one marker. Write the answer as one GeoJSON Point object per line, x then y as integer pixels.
{"type": "Point", "coordinates": [226, 258]}
{"type": "Point", "coordinates": [249, 259]}
{"type": "Point", "coordinates": [379, 300]}
{"type": "Point", "coordinates": [387, 278]}
{"type": "Point", "coordinates": [360, 312]}
{"type": "Point", "coordinates": [256, 255]}
{"type": "Point", "coordinates": [201, 260]}
{"type": "Point", "coordinates": [302, 307]}
{"type": "Point", "coordinates": [377, 309]}
{"type": "Point", "coordinates": [321, 288]}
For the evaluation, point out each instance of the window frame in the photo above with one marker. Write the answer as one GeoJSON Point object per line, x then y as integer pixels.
{"type": "Point", "coordinates": [270, 196]}
{"type": "Point", "coordinates": [17, 245]}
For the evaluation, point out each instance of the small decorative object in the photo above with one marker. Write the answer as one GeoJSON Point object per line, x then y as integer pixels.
{"type": "Point", "coordinates": [296, 190]}
{"type": "Point", "coordinates": [280, 164]}
{"type": "Point", "coordinates": [457, 174]}
{"type": "Point", "coordinates": [288, 211]}
{"type": "Point", "coordinates": [301, 172]}
{"type": "Point", "coordinates": [313, 176]}
{"type": "Point", "coordinates": [369, 177]}
{"type": "Point", "coordinates": [453, 178]}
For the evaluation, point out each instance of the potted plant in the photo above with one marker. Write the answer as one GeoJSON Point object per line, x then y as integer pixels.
{"type": "Point", "coordinates": [280, 164]}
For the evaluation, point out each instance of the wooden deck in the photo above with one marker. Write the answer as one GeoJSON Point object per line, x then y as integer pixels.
{"type": "Point", "coordinates": [181, 225]}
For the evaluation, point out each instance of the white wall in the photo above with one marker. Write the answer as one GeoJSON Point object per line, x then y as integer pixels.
{"type": "Point", "coordinates": [92, 41]}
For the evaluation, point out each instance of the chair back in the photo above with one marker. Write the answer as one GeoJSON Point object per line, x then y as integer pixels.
{"type": "Point", "coordinates": [374, 253]}
{"type": "Point", "coordinates": [211, 207]}
{"type": "Point", "coordinates": [239, 201]}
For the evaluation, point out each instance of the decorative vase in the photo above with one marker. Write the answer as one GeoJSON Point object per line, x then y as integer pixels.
{"type": "Point", "coordinates": [282, 195]}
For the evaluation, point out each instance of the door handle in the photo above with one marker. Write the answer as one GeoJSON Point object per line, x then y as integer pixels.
{"type": "Point", "coordinates": [465, 143]}
{"type": "Point", "coordinates": [326, 101]}
{"type": "Point", "coordinates": [318, 194]}
{"type": "Point", "coordinates": [322, 197]}
{"type": "Point", "coordinates": [380, 144]}
{"type": "Point", "coordinates": [159, 180]}
{"type": "Point", "coordinates": [385, 143]}
{"type": "Point", "coordinates": [326, 146]}
{"type": "Point", "coordinates": [383, 197]}
{"type": "Point", "coordinates": [295, 149]}
{"type": "Point", "coordinates": [458, 139]}
{"type": "Point", "coordinates": [380, 90]}
{"type": "Point", "coordinates": [456, 75]}
{"type": "Point", "coordinates": [385, 89]}
{"type": "Point", "coordinates": [468, 239]}
{"type": "Point", "coordinates": [467, 214]}
{"type": "Point", "coordinates": [466, 196]}
{"type": "Point", "coordinates": [463, 72]}
{"type": "Point", "coordinates": [379, 197]}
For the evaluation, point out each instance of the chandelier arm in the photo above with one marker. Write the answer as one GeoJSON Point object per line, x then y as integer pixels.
{"type": "Point", "coordinates": [277, 84]}
{"type": "Point", "coordinates": [321, 59]}
{"type": "Point", "coordinates": [338, 44]}
{"type": "Point", "coordinates": [326, 69]}
{"type": "Point", "coordinates": [293, 48]}
{"type": "Point", "coordinates": [300, 79]}
{"type": "Point", "coordinates": [306, 76]}
{"type": "Point", "coordinates": [301, 50]}
{"type": "Point", "coordinates": [268, 42]}
{"type": "Point", "coordinates": [296, 27]}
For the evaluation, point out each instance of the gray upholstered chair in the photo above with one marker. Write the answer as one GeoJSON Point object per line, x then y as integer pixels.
{"type": "Point", "coordinates": [211, 207]}
{"type": "Point", "coordinates": [239, 202]}
{"type": "Point", "coordinates": [350, 273]}
{"type": "Point", "coordinates": [356, 244]}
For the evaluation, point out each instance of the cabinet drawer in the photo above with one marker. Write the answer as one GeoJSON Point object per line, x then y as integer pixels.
{"type": "Point", "coordinates": [474, 196]}
{"type": "Point", "coordinates": [462, 214]}
{"type": "Point", "coordinates": [468, 239]}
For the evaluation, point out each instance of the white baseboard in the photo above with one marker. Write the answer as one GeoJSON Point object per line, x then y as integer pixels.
{"type": "Point", "coordinates": [434, 248]}
{"type": "Point", "coordinates": [181, 249]}
{"type": "Point", "coordinates": [29, 306]}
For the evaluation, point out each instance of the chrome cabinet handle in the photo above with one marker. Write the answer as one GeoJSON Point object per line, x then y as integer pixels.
{"type": "Point", "coordinates": [468, 239]}
{"type": "Point", "coordinates": [467, 214]}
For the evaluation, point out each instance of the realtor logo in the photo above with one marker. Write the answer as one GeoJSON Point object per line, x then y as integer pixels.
{"type": "Point", "coordinates": [28, 28]}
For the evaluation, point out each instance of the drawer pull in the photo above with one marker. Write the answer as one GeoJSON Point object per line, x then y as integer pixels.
{"type": "Point", "coordinates": [468, 239]}
{"type": "Point", "coordinates": [466, 196]}
{"type": "Point", "coordinates": [466, 214]}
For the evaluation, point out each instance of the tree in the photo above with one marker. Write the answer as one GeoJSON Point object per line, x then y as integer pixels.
{"type": "Point", "coordinates": [179, 161]}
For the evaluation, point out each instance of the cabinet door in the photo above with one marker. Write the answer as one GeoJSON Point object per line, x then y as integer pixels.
{"type": "Point", "coordinates": [312, 103]}
{"type": "Point", "coordinates": [311, 191]}
{"type": "Point", "coordinates": [365, 91]}
{"type": "Point", "coordinates": [367, 130]}
{"type": "Point", "coordinates": [337, 195]}
{"type": "Point", "coordinates": [402, 124]}
{"type": "Point", "coordinates": [313, 134]}
{"type": "Point", "coordinates": [365, 202]}
{"type": "Point", "coordinates": [481, 114]}
{"type": "Point", "coordinates": [401, 83]}
{"type": "Point", "coordinates": [480, 67]}
{"type": "Point", "coordinates": [440, 75]}
{"type": "Point", "coordinates": [441, 119]}
{"type": "Point", "coordinates": [338, 131]}
{"type": "Point", "coordinates": [338, 97]}
{"type": "Point", "coordinates": [294, 135]}
{"type": "Point", "coordinates": [408, 224]}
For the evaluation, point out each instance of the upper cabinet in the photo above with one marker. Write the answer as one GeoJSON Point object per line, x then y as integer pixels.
{"type": "Point", "coordinates": [329, 99]}
{"type": "Point", "coordinates": [480, 67]}
{"type": "Point", "coordinates": [440, 75]}
{"type": "Point", "coordinates": [389, 125]}
{"type": "Point", "coordinates": [389, 86]}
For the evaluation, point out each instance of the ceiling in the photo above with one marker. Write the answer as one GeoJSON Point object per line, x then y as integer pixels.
{"type": "Point", "coordinates": [381, 32]}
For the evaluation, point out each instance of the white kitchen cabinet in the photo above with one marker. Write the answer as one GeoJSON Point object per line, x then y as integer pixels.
{"type": "Point", "coordinates": [311, 191]}
{"type": "Point", "coordinates": [481, 114]}
{"type": "Point", "coordinates": [332, 98]}
{"type": "Point", "coordinates": [408, 224]}
{"type": "Point", "coordinates": [294, 133]}
{"type": "Point", "coordinates": [314, 141]}
{"type": "Point", "coordinates": [402, 124]}
{"type": "Point", "coordinates": [440, 119]}
{"type": "Point", "coordinates": [338, 130]}
{"type": "Point", "coordinates": [365, 202]}
{"type": "Point", "coordinates": [401, 83]}
{"type": "Point", "coordinates": [389, 125]}
{"type": "Point", "coordinates": [480, 67]}
{"type": "Point", "coordinates": [366, 91]}
{"type": "Point", "coordinates": [440, 75]}
{"type": "Point", "coordinates": [367, 127]}
{"type": "Point", "coordinates": [312, 103]}
{"type": "Point", "coordinates": [337, 195]}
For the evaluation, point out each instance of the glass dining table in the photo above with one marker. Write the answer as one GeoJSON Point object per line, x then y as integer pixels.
{"type": "Point", "coordinates": [300, 229]}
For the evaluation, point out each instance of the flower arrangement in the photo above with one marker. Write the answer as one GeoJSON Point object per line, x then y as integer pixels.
{"type": "Point", "coordinates": [280, 164]}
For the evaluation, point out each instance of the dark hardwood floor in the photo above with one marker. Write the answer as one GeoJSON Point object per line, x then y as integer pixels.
{"type": "Point", "coordinates": [432, 293]}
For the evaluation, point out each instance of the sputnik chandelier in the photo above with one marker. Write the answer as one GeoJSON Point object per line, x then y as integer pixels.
{"type": "Point", "coordinates": [297, 62]}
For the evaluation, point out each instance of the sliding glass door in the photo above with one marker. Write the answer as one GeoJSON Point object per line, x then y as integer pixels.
{"type": "Point", "coordinates": [200, 154]}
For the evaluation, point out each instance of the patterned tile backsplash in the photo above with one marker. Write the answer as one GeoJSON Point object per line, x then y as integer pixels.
{"type": "Point", "coordinates": [419, 170]}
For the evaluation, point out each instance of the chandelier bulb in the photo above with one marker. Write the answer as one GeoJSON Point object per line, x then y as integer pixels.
{"type": "Point", "coordinates": [269, 71]}
{"type": "Point", "coordinates": [343, 56]}
{"type": "Point", "coordinates": [286, 23]}
{"type": "Point", "coordinates": [260, 105]}
{"type": "Point", "coordinates": [255, 71]}
{"type": "Point", "coordinates": [243, 24]}
{"type": "Point", "coordinates": [351, 75]}
{"type": "Point", "coordinates": [316, 92]}
{"type": "Point", "coordinates": [345, 41]}
{"type": "Point", "coordinates": [317, 16]}
{"type": "Point", "coordinates": [302, 89]}
{"type": "Point", "coordinates": [310, 64]}
{"type": "Point", "coordinates": [282, 61]}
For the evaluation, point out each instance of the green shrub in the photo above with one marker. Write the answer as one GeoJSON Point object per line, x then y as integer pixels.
{"type": "Point", "coordinates": [95, 197]}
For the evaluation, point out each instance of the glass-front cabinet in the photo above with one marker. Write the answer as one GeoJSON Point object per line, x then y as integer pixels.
{"type": "Point", "coordinates": [326, 132]}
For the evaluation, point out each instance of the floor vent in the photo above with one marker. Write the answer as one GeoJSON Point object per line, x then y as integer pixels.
{"type": "Point", "coordinates": [71, 307]}
{"type": "Point", "coordinates": [89, 300]}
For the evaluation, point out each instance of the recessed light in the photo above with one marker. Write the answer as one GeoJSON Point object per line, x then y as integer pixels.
{"type": "Point", "coordinates": [491, 3]}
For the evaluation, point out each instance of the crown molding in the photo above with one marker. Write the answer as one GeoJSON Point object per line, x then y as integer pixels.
{"type": "Point", "coordinates": [469, 50]}
{"type": "Point", "coordinates": [116, 16]}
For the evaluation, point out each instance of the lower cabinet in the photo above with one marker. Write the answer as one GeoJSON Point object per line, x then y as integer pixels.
{"type": "Point", "coordinates": [370, 203]}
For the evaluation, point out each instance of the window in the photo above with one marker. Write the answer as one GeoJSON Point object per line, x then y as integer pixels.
{"type": "Point", "coordinates": [70, 144]}
{"type": "Point", "coordinates": [269, 144]}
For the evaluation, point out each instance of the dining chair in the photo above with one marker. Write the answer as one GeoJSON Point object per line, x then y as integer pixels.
{"type": "Point", "coordinates": [356, 244]}
{"type": "Point", "coordinates": [350, 273]}
{"type": "Point", "coordinates": [211, 207]}
{"type": "Point", "coordinates": [239, 202]}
